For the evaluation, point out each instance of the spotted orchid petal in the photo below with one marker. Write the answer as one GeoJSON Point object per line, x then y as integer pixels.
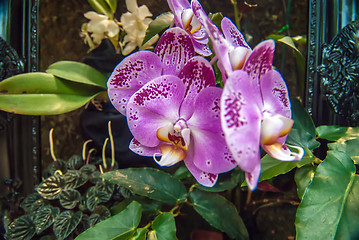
{"type": "Point", "coordinates": [130, 75]}
{"type": "Point", "coordinates": [232, 34]}
{"type": "Point", "coordinates": [174, 48]}
{"type": "Point", "coordinates": [282, 152]}
{"type": "Point", "coordinates": [204, 178]}
{"type": "Point", "coordinates": [253, 177]}
{"type": "Point", "coordinates": [154, 106]}
{"type": "Point", "coordinates": [259, 62]}
{"type": "Point", "coordinates": [197, 74]}
{"type": "Point", "coordinates": [138, 148]}
{"type": "Point", "coordinates": [275, 94]}
{"type": "Point", "coordinates": [241, 119]}
{"type": "Point", "coordinates": [206, 131]}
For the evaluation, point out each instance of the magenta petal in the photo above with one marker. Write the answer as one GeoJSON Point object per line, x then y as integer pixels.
{"type": "Point", "coordinates": [275, 94]}
{"type": "Point", "coordinates": [260, 61]}
{"type": "Point", "coordinates": [203, 178]}
{"type": "Point", "coordinates": [174, 48]}
{"type": "Point", "coordinates": [130, 75]}
{"type": "Point", "coordinates": [232, 34]}
{"type": "Point", "coordinates": [241, 119]}
{"type": "Point", "coordinates": [206, 115]}
{"type": "Point", "coordinates": [253, 177]}
{"type": "Point", "coordinates": [155, 105]}
{"type": "Point", "coordinates": [138, 148]}
{"type": "Point", "coordinates": [201, 48]}
{"type": "Point", "coordinates": [197, 74]}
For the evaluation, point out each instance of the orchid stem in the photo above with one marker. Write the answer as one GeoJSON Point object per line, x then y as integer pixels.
{"type": "Point", "coordinates": [236, 14]}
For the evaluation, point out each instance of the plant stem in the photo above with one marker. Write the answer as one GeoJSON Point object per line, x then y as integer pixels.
{"type": "Point", "coordinates": [236, 14]}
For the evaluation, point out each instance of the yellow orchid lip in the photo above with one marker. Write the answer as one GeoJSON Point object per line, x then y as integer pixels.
{"type": "Point", "coordinates": [275, 127]}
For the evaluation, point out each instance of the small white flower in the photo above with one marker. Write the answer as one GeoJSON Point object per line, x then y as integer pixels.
{"type": "Point", "coordinates": [101, 26]}
{"type": "Point", "coordinates": [135, 23]}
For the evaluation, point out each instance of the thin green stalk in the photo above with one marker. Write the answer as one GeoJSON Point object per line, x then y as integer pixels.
{"type": "Point", "coordinates": [236, 14]}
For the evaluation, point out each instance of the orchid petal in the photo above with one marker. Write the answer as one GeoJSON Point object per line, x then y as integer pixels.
{"type": "Point", "coordinates": [203, 178]}
{"type": "Point", "coordinates": [206, 115]}
{"type": "Point", "coordinates": [211, 152]}
{"type": "Point", "coordinates": [275, 127]}
{"type": "Point", "coordinates": [138, 148]}
{"type": "Point", "coordinates": [154, 106]}
{"type": "Point", "coordinates": [197, 74]}
{"type": "Point", "coordinates": [202, 48]}
{"type": "Point", "coordinates": [260, 61]}
{"type": "Point", "coordinates": [177, 7]}
{"type": "Point", "coordinates": [130, 75]}
{"type": "Point", "coordinates": [241, 119]}
{"type": "Point", "coordinates": [174, 48]}
{"type": "Point", "coordinates": [131, 5]}
{"type": "Point", "coordinates": [283, 153]}
{"type": "Point", "coordinates": [253, 177]}
{"type": "Point", "coordinates": [275, 94]}
{"type": "Point", "coordinates": [232, 34]}
{"type": "Point", "coordinates": [170, 155]}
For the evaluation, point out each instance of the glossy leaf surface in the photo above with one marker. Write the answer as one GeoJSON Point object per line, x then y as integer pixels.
{"type": "Point", "coordinates": [329, 208]}
{"type": "Point", "coordinates": [220, 213]}
{"type": "Point", "coordinates": [149, 182]}
{"type": "Point", "coordinates": [120, 226]}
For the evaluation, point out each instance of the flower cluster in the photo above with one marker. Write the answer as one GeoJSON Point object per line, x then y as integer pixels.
{"type": "Point", "coordinates": [133, 23]}
{"type": "Point", "coordinates": [175, 112]}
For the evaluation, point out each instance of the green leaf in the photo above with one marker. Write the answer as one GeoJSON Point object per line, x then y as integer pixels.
{"type": "Point", "coordinates": [348, 144]}
{"type": "Point", "coordinates": [22, 228]}
{"type": "Point", "coordinates": [43, 94]}
{"type": "Point", "coordinates": [303, 177]}
{"type": "Point", "coordinates": [271, 167]}
{"type": "Point", "coordinates": [65, 223]}
{"type": "Point", "coordinates": [112, 4]}
{"type": "Point", "coordinates": [74, 179]}
{"type": "Point", "coordinates": [182, 172]}
{"type": "Point", "coordinates": [69, 198]}
{"type": "Point", "coordinates": [100, 6]}
{"type": "Point", "coordinates": [140, 234]}
{"type": "Point", "coordinates": [226, 181]}
{"type": "Point", "coordinates": [51, 187]}
{"type": "Point", "coordinates": [157, 25]}
{"type": "Point", "coordinates": [331, 133]}
{"type": "Point", "coordinates": [303, 133]}
{"type": "Point", "coordinates": [219, 212]}
{"type": "Point", "coordinates": [329, 208]}
{"type": "Point", "coordinates": [78, 72]}
{"type": "Point", "coordinates": [149, 182]}
{"type": "Point", "coordinates": [100, 213]}
{"type": "Point", "coordinates": [122, 225]}
{"type": "Point", "coordinates": [164, 227]}
{"type": "Point", "coordinates": [58, 165]}
{"type": "Point", "coordinates": [45, 217]}
{"type": "Point", "coordinates": [74, 162]}
{"type": "Point", "coordinates": [216, 18]}
{"type": "Point", "coordinates": [149, 206]}
{"type": "Point", "coordinates": [32, 202]}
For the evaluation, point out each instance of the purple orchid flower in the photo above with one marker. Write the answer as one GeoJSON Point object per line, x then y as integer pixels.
{"type": "Point", "coordinates": [185, 19]}
{"type": "Point", "coordinates": [231, 48]}
{"type": "Point", "coordinates": [256, 111]}
{"type": "Point", "coordinates": [173, 51]}
{"type": "Point", "coordinates": [172, 107]}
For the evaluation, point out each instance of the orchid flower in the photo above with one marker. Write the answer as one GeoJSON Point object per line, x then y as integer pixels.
{"type": "Point", "coordinates": [231, 48]}
{"type": "Point", "coordinates": [256, 111]}
{"type": "Point", "coordinates": [135, 23]}
{"type": "Point", "coordinates": [185, 19]}
{"type": "Point", "coordinates": [101, 26]}
{"type": "Point", "coordinates": [172, 107]}
{"type": "Point", "coordinates": [173, 51]}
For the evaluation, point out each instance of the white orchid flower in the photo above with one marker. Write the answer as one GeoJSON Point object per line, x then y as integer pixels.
{"type": "Point", "coordinates": [101, 26]}
{"type": "Point", "coordinates": [135, 23]}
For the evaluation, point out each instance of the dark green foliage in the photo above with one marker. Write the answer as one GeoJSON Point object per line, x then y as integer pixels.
{"type": "Point", "coordinates": [66, 203]}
